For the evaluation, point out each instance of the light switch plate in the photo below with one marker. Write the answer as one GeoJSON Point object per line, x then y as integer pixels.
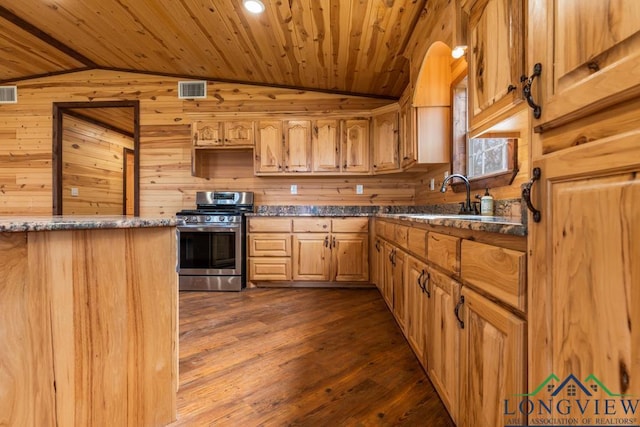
{"type": "Point", "coordinates": [359, 189]}
{"type": "Point", "coordinates": [432, 184]}
{"type": "Point", "coordinates": [294, 189]}
{"type": "Point", "coordinates": [74, 192]}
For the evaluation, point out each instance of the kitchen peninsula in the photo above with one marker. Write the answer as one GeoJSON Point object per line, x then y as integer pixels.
{"type": "Point", "coordinates": [88, 319]}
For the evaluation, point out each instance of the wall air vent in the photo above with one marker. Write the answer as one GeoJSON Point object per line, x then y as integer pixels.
{"type": "Point", "coordinates": [192, 90]}
{"type": "Point", "coordinates": [8, 94]}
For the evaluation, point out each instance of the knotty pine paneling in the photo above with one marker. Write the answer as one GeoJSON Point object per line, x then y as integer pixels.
{"type": "Point", "coordinates": [93, 160]}
{"type": "Point", "coordinates": [166, 184]}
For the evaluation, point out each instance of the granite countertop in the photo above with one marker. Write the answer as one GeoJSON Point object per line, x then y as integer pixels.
{"type": "Point", "coordinates": [491, 224]}
{"type": "Point", "coordinates": [73, 222]}
{"type": "Point", "coordinates": [433, 215]}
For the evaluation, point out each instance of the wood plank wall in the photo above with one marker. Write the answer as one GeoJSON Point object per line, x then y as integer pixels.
{"type": "Point", "coordinates": [166, 184]}
{"type": "Point", "coordinates": [93, 160]}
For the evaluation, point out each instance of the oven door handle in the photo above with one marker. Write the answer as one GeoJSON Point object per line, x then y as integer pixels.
{"type": "Point", "coordinates": [209, 228]}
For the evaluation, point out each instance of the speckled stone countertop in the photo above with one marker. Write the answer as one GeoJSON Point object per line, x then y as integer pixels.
{"type": "Point", "coordinates": [509, 219]}
{"type": "Point", "coordinates": [490, 224]}
{"type": "Point", "coordinates": [50, 223]}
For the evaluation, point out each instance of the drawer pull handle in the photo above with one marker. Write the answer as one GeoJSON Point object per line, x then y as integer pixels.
{"type": "Point", "coordinates": [526, 90]}
{"type": "Point", "coordinates": [378, 245]}
{"type": "Point", "coordinates": [456, 311]}
{"type": "Point", "coordinates": [420, 280]}
{"type": "Point", "coordinates": [326, 242]}
{"type": "Point", "coordinates": [427, 280]}
{"type": "Point", "coordinates": [526, 194]}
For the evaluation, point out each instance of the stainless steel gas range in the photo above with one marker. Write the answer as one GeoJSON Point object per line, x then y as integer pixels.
{"type": "Point", "coordinates": [211, 249]}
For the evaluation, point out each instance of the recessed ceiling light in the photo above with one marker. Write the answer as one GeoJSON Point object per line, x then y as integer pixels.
{"type": "Point", "coordinates": [253, 6]}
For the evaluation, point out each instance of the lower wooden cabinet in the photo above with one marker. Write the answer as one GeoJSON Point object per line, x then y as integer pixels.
{"type": "Point", "coordinates": [492, 361]}
{"type": "Point", "coordinates": [313, 249]}
{"type": "Point", "coordinates": [417, 288]}
{"type": "Point", "coordinates": [443, 346]}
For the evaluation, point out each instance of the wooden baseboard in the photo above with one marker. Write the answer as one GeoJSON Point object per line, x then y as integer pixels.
{"type": "Point", "coordinates": [280, 284]}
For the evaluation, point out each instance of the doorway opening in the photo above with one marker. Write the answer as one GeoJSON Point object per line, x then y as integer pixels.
{"type": "Point", "coordinates": [96, 158]}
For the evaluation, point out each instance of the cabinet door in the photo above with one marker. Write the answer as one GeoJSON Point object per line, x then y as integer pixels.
{"type": "Point", "coordinates": [238, 133]}
{"type": "Point", "coordinates": [355, 146]}
{"type": "Point", "coordinates": [584, 293]}
{"type": "Point", "coordinates": [326, 146]}
{"type": "Point", "coordinates": [268, 150]}
{"type": "Point", "coordinates": [443, 347]}
{"type": "Point", "coordinates": [493, 356]}
{"type": "Point", "coordinates": [590, 54]}
{"type": "Point", "coordinates": [387, 279]}
{"type": "Point", "coordinates": [298, 146]}
{"type": "Point", "coordinates": [385, 142]}
{"type": "Point", "coordinates": [207, 133]}
{"type": "Point", "coordinates": [496, 57]}
{"type": "Point", "coordinates": [350, 257]}
{"type": "Point", "coordinates": [311, 256]}
{"type": "Point", "coordinates": [408, 142]}
{"type": "Point", "coordinates": [377, 263]}
{"type": "Point", "coordinates": [399, 290]}
{"type": "Point", "coordinates": [415, 278]}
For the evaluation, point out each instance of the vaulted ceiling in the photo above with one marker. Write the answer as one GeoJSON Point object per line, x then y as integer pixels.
{"type": "Point", "coordinates": [343, 46]}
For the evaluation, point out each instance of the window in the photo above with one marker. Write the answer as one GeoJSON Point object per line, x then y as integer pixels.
{"type": "Point", "coordinates": [491, 158]}
{"type": "Point", "coordinates": [487, 156]}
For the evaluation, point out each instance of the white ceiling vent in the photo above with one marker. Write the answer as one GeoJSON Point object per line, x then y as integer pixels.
{"type": "Point", "coordinates": [8, 94]}
{"type": "Point", "coordinates": [192, 90]}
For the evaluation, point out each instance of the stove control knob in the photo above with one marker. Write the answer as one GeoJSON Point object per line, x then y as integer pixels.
{"type": "Point", "coordinates": [221, 218]}
{"type": "Point", "coordinates": [208, 218]}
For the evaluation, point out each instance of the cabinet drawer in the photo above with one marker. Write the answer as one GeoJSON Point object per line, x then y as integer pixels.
{"type": "Point", "coordinates": [443, 251]}
{"type": "Point", "coordinates": [269, 244]}
{"type": "Point", "coordinates": [400, 233]}
{"type": "Point", "coordinates": [381, 228]}
{"type": "Point", "coordinates": [417, 242]}
{"type": "Point", "coordinates": [270, 224]}
{"type": "Point", "coordinates": [350, 225]}
{"type": "Point", "coordinates": [269, 268]}
{"type": "Point", "coordinates": [311, 225]}
{"type": "Point", "coordinates": [499, 271]}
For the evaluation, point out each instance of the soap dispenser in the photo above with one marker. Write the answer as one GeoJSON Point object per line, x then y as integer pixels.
{"type": "Point", "coordinates": [486, 204]}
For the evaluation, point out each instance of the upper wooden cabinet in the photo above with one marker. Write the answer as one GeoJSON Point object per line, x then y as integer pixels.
{"type": "Point", "coordinates": [496, 56]}
{"type": "Point", "coordinates": [341, 145]}
{"type": "Point", "coordinates": [355, 146]}
{"type": "Point", "coordinates": [222, 133]}
{"type": "Point", "coordinates": [408, 143]}
{"type": "Point", "coordinates": [590, 55]}
{"type": "Point", "coordinates": [385, 142]}
{"type": "Point", "coordinates": [269, 147]}
{"type": "Point", "coordinates": [297, 143]}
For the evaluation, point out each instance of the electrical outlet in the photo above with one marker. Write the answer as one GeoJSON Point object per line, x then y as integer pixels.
{"type": "Point", "coordinates": [359, 189]}
{"type": "Point", "coordinates": [294, 189]}
{"type": "Point", "coordinates": [74, 192]}
{"type": "Point", "coordinates": [432, 184]}
{"type": "Point", "coordinates": [446, 174]}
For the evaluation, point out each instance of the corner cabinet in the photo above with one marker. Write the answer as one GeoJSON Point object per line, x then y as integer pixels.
{"type": "Point", "coordinates": [496, 30]}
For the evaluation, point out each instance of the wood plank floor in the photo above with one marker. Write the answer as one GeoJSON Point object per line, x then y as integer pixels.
{"type": "Point", "coordinates": [304, 357]}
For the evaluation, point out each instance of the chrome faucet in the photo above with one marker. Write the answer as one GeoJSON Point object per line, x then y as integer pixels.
{"type": "Point", "coordinates": [466, 208]}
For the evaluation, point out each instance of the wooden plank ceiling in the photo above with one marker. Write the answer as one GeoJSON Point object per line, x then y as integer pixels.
{"type": "Point", "coordinates": [342, 46]}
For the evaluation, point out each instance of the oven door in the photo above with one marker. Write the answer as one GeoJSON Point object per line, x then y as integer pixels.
{"type": "Point", "coordinates": [210, 250]}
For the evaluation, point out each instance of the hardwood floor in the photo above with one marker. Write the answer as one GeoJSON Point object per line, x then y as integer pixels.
{"type": "Point", "coordinates": [306, 357]}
